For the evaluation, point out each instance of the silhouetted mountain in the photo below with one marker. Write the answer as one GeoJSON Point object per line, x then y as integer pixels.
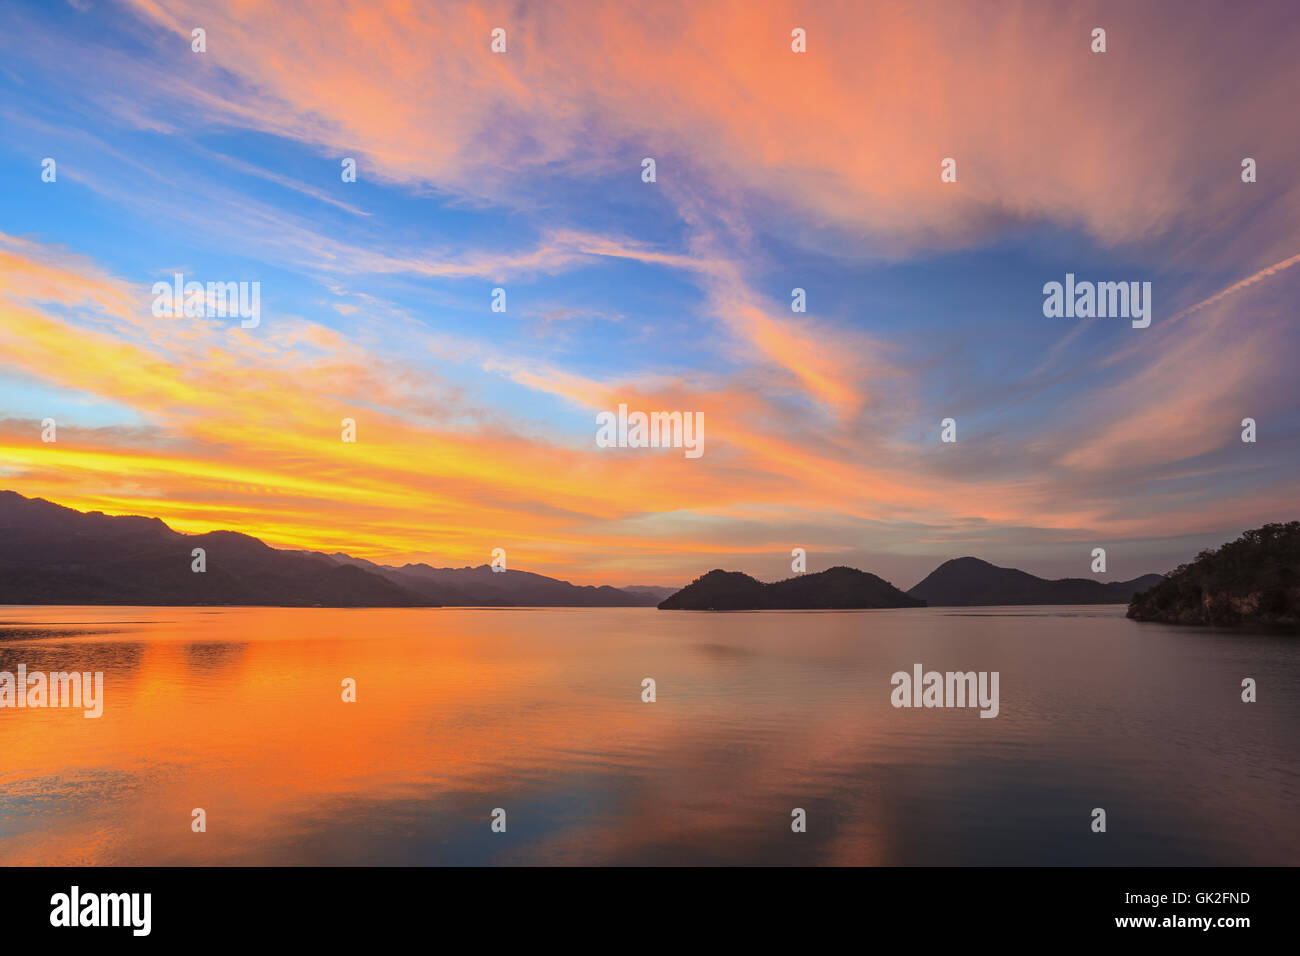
{"type": "Point", "coordinates": [967, 582]}
{"type": "Point", "coordinates": [55, 555]}
{"type": "Point", "coordinates": [838, 587]}
{"type": "Point", "coordinates": [50, 554]}
{"type": "Point", "coordinates": [1253, 580]}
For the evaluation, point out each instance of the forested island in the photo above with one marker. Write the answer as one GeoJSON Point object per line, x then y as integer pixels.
{"type": "Point", "coordinates": [1253, 580]}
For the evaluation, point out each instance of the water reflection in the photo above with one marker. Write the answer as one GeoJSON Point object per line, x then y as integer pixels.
{"type": "Point", "coordinates": [239, 711]}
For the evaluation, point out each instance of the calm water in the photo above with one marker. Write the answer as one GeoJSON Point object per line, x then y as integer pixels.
{"type": "Point", "coordinates": [539, 712]}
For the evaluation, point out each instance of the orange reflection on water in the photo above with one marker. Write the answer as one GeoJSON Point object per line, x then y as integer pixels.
{"type": "Point", "coordinates": [239, 711]}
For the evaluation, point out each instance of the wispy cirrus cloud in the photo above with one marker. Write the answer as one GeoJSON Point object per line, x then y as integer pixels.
{"type": "Point", "coordinates": [851, 140]}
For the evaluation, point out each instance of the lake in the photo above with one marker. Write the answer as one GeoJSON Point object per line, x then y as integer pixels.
{"type": "Point", "coordinates": [539, 712]}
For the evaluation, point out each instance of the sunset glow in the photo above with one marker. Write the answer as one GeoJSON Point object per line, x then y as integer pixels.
{"type": "Point", "coordinates": [475, 429]}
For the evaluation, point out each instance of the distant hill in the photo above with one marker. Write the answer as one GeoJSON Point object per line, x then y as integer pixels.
{"type": "Point", "coordinates": [1253, 580]}
{"type": "Point", "coordinates": [482, 587]}
{"type": "Point", "coordinates": [50, 554]}
{"type": "Point", "coordinates": [838, 587]}
{"type": "Point", "coordinates": [968, 582]}
{"type": "Point", "coordinates": [653, 594]}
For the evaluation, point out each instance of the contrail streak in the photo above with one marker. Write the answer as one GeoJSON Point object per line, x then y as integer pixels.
{"type": "Point", "coordinates": [1236, 286]}
{"type": "Point", "coordinates": [1221, 294]}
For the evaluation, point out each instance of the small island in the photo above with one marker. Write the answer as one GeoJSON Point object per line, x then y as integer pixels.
{"type": "Point", "coordinates": [1253, 580]}
{"type": "Point", "coordinates": [834, 588]}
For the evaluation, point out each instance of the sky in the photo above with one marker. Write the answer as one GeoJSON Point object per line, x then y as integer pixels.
{"type": "Point", "coordinates": [775, 170]}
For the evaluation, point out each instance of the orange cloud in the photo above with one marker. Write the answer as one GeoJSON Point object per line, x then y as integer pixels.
{"type": "Point", "coordinates": [249, 437]}
{"type": "Point", "coordinates": [849, 134]}
{"type": "Point", "coordinates": [243, 432]}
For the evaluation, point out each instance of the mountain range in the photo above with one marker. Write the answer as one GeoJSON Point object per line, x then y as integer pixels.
{"type": "Point", "coordinates": [961, 582]}
{"type": "Point", "coordinates": [50, 554]}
